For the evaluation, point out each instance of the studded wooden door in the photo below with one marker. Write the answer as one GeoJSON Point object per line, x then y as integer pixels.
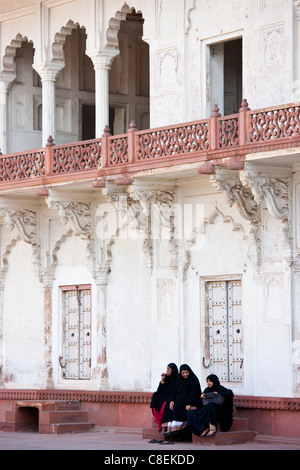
{"type": "Point", "coordinates": [77, 333]}
{"type": "Point", "coordinates": [225, 329]}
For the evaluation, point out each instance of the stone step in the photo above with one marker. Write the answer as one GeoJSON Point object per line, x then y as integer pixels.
{"type": "Point", "coordinates": [270, 439]}
{"type": "Point", "coordinates": [225, 438]}
{"type": "Point", "coordinates": [7, 427]}
{"type": "Point", "coordinates": [46, 417]}
{"type": "Point", "coordinates": [118, 430]}
{"type": "Point", "coordinates": [60, 417]}
{"type": "Point", "coordinates": [49, 405]}
{"type": "Point", "coordinates": [65, 428]}
{"type": "Point", "coordinates": [238, 424]}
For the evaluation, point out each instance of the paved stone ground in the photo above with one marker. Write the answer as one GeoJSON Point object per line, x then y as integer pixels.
{"type": "Point", "coordinates": [116, 440]}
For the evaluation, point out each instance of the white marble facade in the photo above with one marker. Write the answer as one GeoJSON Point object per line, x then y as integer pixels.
{"type": "Point", "coordinates": [150, 251]}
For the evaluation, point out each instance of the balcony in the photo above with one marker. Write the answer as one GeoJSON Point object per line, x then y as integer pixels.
{"type": "Point", "coordinates": [218, 140]}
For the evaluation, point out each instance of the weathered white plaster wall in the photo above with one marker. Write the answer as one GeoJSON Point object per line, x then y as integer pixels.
{"type": "Point", "coordinates": [23, 330]}
{"type": "Point", "coordinates": [128, 318]}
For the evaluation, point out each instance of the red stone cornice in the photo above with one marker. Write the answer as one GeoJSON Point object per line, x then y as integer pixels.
{"type": "Point", "coordinates": [267, 403]}
{"type": "Point", "coordinates": [240, 401]}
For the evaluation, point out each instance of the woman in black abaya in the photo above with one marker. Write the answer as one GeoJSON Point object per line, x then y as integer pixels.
{"type": "Point", "coordinates": [186, 395]}
{"type": "Point", "coordinates": [203, 421]}
{"type": "Point", "coordinates": [164, 391]}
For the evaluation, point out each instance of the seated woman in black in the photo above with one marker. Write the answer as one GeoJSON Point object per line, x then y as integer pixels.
{"type": "Point", "coordinates": [164, 391]}
{"type": "Point", "coordinates": [203, 421]}
{"type": "Point", "coordinates": [186, 394]}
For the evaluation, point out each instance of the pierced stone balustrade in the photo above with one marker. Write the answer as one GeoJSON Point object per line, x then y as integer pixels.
{"type": "Point", "coordinates": [216, 139]}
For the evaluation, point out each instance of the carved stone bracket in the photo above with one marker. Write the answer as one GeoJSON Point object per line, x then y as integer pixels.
{"type": "Point", "coordinates": [274, 191]}
{"type": "Point", "coordinates": [78, 212]}
{"type": "Point", "coordinates": [148, 201]}
{"type": "Point", "coordinates": [80, 215]}
{"type": "Point", "coordinates": [237, 193]}
{"type": "Point", "coordinates": [117, 198]}
{"type": "Point", "coordinates": [26, 222]}
{"type": "Point", "coordinates": [138, 205]}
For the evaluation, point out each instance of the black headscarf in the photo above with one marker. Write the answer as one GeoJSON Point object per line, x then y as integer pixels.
{"type": "Point", "coordinates": [165, 390]}
{"type": "Point", "coordinates": [188, 388]}
{"type": "Point", "coordinates": [225, 411]}
{"type": "Point", "coordinates": [174, 370]}
{"type": "Point", "coordinates": [216, 383]}
{"type": "Point", "coordinates": [186, 367]}
{"type": "Point", "coordinates": [170, 380]}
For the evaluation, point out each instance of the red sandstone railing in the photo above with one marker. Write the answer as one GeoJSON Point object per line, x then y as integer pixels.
{"type": "Point", "coordinates": [218, 138]}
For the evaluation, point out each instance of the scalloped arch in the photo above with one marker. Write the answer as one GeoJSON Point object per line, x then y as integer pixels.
{"type": "Point", "coordinates": [211, 220]}
{"type": "Point", "coordinates": [226, 219]}
{"type": "Point", "coordinates": [114, 26]}
{"type": "Point", "coordinates": [9, 64]}
{"type": "Point", "coordinates": [60, 39]}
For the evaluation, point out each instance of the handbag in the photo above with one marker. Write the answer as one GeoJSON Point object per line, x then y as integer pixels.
{"type": "Point", "coordinates": [213, 398]}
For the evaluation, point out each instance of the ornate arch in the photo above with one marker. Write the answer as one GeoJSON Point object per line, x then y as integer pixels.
{"type": "Point", "coordinates": [210, 220]}
{"type": "Point", "coordinates": [60, 40]}
{"type": "Point", "coordinates": [9, 65]}
{"type": "Point", "coordinates": [227, 219]}
{"type": "Point", "coordinates": [114, 26]}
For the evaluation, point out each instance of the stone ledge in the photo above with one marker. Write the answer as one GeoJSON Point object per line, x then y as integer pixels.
{"type": "Point", "coordinates": [240, 401]}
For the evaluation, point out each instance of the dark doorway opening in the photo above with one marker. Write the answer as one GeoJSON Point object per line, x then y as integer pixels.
{"type": "Point", "coordinates": [232, 76]}
{"type": "Point", "coordinates": [88, 121]}
{"type": "Point", "coordinates": [27, 419]}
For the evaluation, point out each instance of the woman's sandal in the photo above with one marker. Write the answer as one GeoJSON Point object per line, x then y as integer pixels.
{"type": "Point", "coordinates": [205, 432]}
{"type": "Point", "coordinates": [211, 432]}
{"type": "Point", "coordinates": [155, 441]}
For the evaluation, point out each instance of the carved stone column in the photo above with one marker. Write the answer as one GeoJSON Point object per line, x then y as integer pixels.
{"type": "Point", "coordinates": [101, 283]}
{"type": "Point", "coordinates": [6, 80]}
{"type": "Point", "coordinates": [296, 58]}
{"type": "Point", "coordinates": [46, 373]}
{"type": "Point", "coordinates": [102, 64]}
{"type": "Point", "coordinates": [48, 74]}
